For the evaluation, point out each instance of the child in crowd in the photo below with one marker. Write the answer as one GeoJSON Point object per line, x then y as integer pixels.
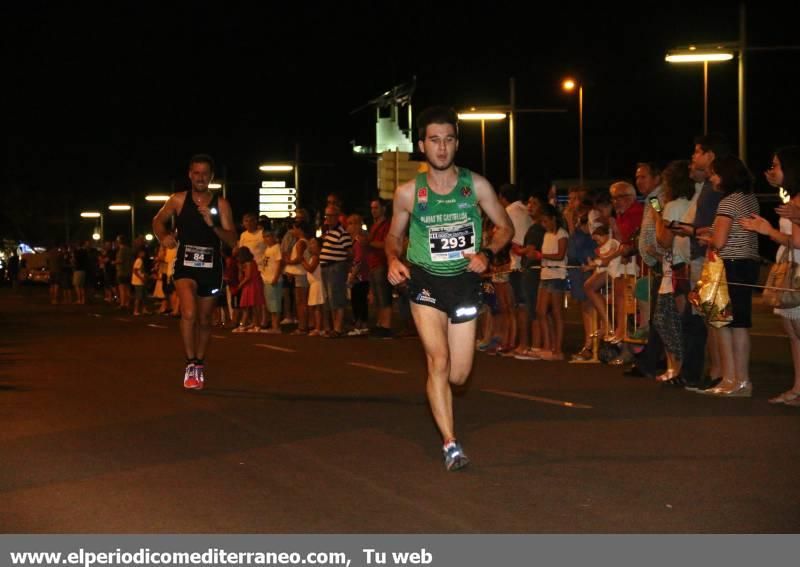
{"type": "Point", "coordinates": [606, 248]}
{"type": "Point", "coordinates": [138, 281]}
{"type": "Point", "coordinates": [273, 287]}
{"type": "Point", "coordinates": [230, 283]}
{"type": "Point", "coordinates": [316, 292]}
{"type": "Point", "coordinates": [251, 291]}
{"type": "Point", "coordinates": [553, 282]}
{"type": "Point", "coordinates": [580, 251]}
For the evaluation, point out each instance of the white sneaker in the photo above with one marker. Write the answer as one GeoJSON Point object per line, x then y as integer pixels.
{"type": "Point", "coordinates": [240, 329]}
{"type": "Point", "coordinates": [286, 321]}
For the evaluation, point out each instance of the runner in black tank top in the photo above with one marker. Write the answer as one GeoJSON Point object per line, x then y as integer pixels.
{"type": "Point", "coordinates": [203, 221]}
{"type": "Point", "coordinates": [199, 256]}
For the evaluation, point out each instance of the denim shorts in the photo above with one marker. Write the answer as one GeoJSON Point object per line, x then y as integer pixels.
{"type": "Point", "coordinates": [554, 285]}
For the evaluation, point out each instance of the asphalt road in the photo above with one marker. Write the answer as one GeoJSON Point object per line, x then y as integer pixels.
{"type": "Point", "coordinates": [306, 435]}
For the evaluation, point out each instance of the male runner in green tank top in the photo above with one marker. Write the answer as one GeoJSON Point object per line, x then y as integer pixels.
{"type": "Point", "coordinates": [442, 210]}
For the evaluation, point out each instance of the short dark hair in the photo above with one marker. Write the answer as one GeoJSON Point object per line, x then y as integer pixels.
{"type": "Point", "coordinates": [714, 142]}
{"type": "Point", "coordinates": [509, 192]}
{"type": "Point", "coordinates": [733, 175]}
{"type": "Point", "coordinates": [789, 156]}
{"type": "Point", "coordinates": [655, 170]}
{"type": "Point", "coordinates": [202, 158]}
{"type": "Point", "coordinates": [436, 115]}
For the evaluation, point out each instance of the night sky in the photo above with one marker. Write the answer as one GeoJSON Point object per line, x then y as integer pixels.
{"type": "Point", "coordinates": [108, 104]}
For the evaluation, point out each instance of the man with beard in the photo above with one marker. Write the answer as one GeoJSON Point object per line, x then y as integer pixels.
{"type": "Point", "coordinates": [203, 221]}
{"type": "Point", "coordinates": [442, 210]}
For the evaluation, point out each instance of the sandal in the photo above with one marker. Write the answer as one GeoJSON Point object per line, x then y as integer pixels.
{"type": "Point", "coordinates": [789, 397]}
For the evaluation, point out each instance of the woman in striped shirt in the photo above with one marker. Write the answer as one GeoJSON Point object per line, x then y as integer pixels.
{"type": "Point", "coordinates": [738, 247]}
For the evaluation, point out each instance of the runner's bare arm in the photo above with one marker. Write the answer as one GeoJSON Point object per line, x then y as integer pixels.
{"type": "Point", "coordinates": [487, 200]}
{"type": "Point", "coordinates": [227, 232]}
{"type": "Point", "coordinates": [171, 207]}
{"type": "Point", "coordinates": [403, 203]}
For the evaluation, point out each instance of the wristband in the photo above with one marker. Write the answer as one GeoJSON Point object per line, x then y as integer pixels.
{"type": "Point", "coordinates": [488, 253]}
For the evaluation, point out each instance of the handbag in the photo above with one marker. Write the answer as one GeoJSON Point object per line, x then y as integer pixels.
{"type": "Point", "coordinates": [711, 295]}
{"type": "Point", "coordinates": [783, 275]}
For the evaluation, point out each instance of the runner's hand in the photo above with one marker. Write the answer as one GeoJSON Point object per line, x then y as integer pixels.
{"type": "Point", "coordinates": [206, 214]}
{"type": "Point", "coordinates": [398, 272]}
{"type": "Point", "coordinates": [477, 262]}
{"type": "Point", "coordinates": [169, 241]}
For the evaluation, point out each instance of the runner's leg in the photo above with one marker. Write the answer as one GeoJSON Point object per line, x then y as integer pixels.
{"type": "Point", "coordinates": [432, 326]}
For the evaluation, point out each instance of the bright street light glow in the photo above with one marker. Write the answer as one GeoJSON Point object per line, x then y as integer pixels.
{"type": "Point", "coordinates": [215, 185]}
{"type": "Point", "coordinates": [95, 236]}
{"type": "Point", "coordinates": [119, 207]}
{"type": "Point", "coordinates": [157, 198]}
{"type": "Point", "coordinates": [568, 85]}
{"type": "Point", "coordinates": [148, 237]}
{"type": "Point", "coordinates": [91, 215]}
{"type": "Point", "coordinates": [481, 116]}
{"type": "Point", "coordinates": [698, 57]}
{"type": "Point", "coordinates": [276, 167]}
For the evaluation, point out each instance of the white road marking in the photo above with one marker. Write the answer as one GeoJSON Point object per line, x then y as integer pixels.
{"type": "Point", "coordinates": [377, 368]}
{"type": "Point", "coordinates": [273, 347]}
{"type": "Point", "coordinates": [155, 326]}
{"type": "Point", "coordinates": [537, 399]}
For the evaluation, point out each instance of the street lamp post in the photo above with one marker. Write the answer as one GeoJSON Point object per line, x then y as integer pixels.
{"type": "Point", "coordinates": [705, 55]}
{"type": "Point", "coordinates": [95, 215]}
{"type": "Point", "coordinates": [133, 217]}
{"type": "Point", "coordinates": [569, 86]}
{"type": "Point", "coordinates": [474, 115]}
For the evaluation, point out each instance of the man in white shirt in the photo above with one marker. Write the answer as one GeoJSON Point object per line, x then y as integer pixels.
{"type": "Point", "coordinates": [509, 196]}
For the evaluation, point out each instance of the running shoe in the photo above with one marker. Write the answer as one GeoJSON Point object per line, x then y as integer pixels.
{"type": "Point", "coordinates": [190, 377]}
{"type": "Point", "coordinates": [454, 457]}
{"type": "Point", "coordinates": [200, 377]}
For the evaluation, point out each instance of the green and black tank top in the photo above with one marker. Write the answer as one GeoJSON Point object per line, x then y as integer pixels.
{"type": "Point", "coordinates": [443, 227]}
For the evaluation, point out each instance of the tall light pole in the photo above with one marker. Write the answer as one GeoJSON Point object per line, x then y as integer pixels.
{"type": "Point", "coordinates": [706, 54]}
{"type": "Point", "coordinates": [569, 86]}
{"type": "Point", "coordinates": [474, 115]}
{"type": "Point", "coordinates": [95, 215]}
{"type": "Point", "coordinates": [133, 217]}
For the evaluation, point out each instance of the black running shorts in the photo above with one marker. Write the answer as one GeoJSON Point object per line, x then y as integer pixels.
{"type": "Point", "coordinates": [459, 296]}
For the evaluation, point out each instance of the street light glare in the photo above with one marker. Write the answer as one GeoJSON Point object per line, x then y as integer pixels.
{"type": "Point", "coordinates": [568, 85]}
{"type": "Point", "coordinates": [91, 215]}
{"type": "Point", "coordinates": [697, 57]}
{"type": "Point", "coordinates": [119, 207]}
{"type": "Point", "coordinates": [276, 167]}
{"type": "Point", "coordinates": [481, 115]}
{"type": "Point", "coordinates": [215, 185]}
{"type": "Point", "coordinates": [157, 198]}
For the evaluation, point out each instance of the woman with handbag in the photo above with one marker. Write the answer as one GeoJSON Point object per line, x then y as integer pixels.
{"type": "Point", "coordinates": [678, 189]}
{"type": "Point", "coordinates": [785, 172]}
{"type": "Point", "coordinates": [738, 249]}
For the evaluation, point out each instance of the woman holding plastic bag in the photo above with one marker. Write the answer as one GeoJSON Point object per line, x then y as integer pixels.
{"type": "Point", "coordinates": [785, 172]}
{"type": "Point", "coordinates": [738, 248]}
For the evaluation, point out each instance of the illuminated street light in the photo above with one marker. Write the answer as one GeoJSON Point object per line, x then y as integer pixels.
{"type": "Point", "coordinates": [276, 167]}
{"type": "Point", "coordinates": [569, 85]}
{"type": "Point", "coordinates": [119, 207]}
{"type": "Point", "coordinates": [482, 116]}
{"type": "Point", "coordinates": [95, 215]}
{"type": "Point", "coordinates": [704, 54]}
{"type": "Point", "coordinates": [157, 198]}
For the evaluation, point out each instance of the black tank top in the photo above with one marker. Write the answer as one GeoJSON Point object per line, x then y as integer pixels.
{"type": "Point", "coordinates": [199, 245]}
